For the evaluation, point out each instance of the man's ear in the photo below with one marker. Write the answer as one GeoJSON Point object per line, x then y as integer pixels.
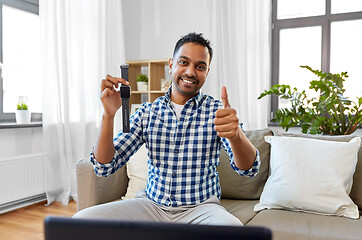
{"type": "Point", "coordinates": [170, 63]}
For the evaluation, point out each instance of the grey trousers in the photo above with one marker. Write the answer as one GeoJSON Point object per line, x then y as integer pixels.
{"type": "Point", "coordinates": [143, 209]}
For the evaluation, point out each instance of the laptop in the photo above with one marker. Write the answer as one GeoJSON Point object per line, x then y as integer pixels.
{"type": "Point", "coordinates": [74, 229]}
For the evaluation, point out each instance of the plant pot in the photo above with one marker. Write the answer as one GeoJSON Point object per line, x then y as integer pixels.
{"type": "Point", "coordinates": [22, 116]}
{"type": "Point", "coordinates": [142, 86]}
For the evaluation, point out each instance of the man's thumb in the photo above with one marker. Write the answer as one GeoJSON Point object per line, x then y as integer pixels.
{"type": "Point", "coordinates": [224, 97]}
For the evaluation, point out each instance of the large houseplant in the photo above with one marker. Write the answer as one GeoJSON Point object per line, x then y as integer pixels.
{"type": "Point", "coordinates": [330, 113]}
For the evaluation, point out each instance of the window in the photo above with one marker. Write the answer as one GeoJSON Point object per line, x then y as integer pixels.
{"type": "Point", "coordinates": [20, 58]}
{"type": "Point", "coordinates": [323, 34]}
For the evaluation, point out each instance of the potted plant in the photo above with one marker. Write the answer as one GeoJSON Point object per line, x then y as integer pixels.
{"type": "Point", "coordinates": [22, 113]}
{"type": "Point", "coordinates": [142, 82]}
{"type": "Point", "coordinates": [330, 113]}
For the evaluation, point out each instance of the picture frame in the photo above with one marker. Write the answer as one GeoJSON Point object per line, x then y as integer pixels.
{"type": "Point", "coordinates": [134, 108]}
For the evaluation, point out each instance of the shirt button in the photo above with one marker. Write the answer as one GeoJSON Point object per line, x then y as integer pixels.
{"type": "Point", "coordinates": [171, 197]}
{"type": "Point", "coordinates": [176, 151]}
{"type": "Point", "coordinates": [173, 174]}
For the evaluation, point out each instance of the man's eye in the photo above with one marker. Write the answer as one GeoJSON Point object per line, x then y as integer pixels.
{"type": "Point", "coordinates": [181, 62]}
{"type": "Point", "coordinates": [202, 68]}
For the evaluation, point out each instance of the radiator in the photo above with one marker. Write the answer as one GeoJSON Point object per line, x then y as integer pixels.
{"type": "Point", "coordinates": [21, 181]}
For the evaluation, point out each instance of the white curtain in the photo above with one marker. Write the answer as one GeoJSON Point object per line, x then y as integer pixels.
{"type": "Point", "coordinates": [241, 36]}
{"type": "Point", "coordinates": [82, 42]}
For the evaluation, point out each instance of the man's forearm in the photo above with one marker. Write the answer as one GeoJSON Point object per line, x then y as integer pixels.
{"type": "Point", "coordinates": [104, 148]}
{"type": "Point", "coordinates": [243, 150]}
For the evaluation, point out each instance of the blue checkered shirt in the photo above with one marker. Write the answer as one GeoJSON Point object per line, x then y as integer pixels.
{"type": "Point", "coordinates": [183, 154]}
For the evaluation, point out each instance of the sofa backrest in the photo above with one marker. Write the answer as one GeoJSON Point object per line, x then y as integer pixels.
{"type": "Point", "coordinates": [234, 186]}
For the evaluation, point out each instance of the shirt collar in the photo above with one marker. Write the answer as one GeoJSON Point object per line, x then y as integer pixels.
{"type": "Point", "coordinates": [197, 99]}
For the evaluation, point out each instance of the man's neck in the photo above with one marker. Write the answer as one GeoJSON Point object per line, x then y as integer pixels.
{"type": "Point", "coordinates": [180, 99]}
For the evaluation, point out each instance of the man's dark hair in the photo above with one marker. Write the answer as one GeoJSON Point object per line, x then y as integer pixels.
{"type": "Point", "coordinates": [193, 38]}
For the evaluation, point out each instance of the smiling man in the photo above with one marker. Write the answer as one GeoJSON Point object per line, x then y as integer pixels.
{"type": "Point", "coordinates": [184, 132]}
{"type": "Point", "coordinates": [189, 68]}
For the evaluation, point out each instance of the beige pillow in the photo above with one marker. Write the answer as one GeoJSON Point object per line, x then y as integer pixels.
{"type": "Point", "coordinates": [234, 186]}
{"type": "Point", "coordinates": [356, 192]}
{"type": "Point", "coordinates": [311, 175]}
{"type": "Point", "coordinates": [137, 172]}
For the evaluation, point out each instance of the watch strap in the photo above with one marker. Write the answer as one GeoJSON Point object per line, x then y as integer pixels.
{"type": "Point", "coordinates": [125, 114]}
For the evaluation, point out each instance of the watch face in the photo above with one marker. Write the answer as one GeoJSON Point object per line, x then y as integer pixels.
{"type": "Point", "coordinates": [125, 91]}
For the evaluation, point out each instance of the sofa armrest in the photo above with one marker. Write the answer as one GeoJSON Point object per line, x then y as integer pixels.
{"type": "Point", "coordinates": [93, 190]}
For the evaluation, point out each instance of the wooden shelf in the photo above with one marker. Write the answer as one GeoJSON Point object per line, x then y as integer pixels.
{"type": "Point", "coordinates": [156, 70]}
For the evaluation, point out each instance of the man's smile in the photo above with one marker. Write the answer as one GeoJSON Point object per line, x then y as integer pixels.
{"type": "Point", "coordinates": [188, 81]}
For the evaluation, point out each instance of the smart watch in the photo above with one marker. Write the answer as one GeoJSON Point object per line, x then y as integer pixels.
{"type": "Point", "coordinates": [125, 92]}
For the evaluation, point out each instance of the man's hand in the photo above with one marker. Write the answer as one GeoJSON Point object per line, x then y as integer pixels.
{"type": "Point", "coordinates": [226, 122]}
{"type": "Point", "coordinates": [227, 126]}
{"type": "Point", "coordinates": [111, 101]}
{"type": "Point", "coordinates": [110, 97]}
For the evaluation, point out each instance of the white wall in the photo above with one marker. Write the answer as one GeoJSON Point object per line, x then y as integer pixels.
{"type": "Point", "coordinates": [152, 28]}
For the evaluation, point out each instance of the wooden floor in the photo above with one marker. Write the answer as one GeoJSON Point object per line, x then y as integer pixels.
{"type": "Point", "coordinates": [27, 223]}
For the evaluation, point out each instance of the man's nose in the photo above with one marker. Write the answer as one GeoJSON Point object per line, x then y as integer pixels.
{"type": "Point", "coordinates": [190, 71]}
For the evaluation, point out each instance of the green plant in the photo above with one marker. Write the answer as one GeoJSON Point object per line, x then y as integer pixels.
{"type": "Point", "coordinates": [22, 106]}
{"type": "Point", "coordinates": [142, 78]}
{"type": "Point", "coordinates": [331, 113]}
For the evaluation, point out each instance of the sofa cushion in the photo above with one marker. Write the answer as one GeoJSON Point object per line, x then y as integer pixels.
{"type": "Point", "coordinates": [137, 172]}
{"type": "Point", "coordinates": [356, 191]}
{"type": "Point", "coordinates": [311, 175]}
{"type": "Point", "coordinates": [287, 225]}
{"type": "Point", "coordinates": [242, 209]}
{"type": "Point", "coordinates": [234, 186]}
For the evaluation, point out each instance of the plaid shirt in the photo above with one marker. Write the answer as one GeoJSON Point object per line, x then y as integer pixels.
{"type": "Point", "coordinates": [183, 154]}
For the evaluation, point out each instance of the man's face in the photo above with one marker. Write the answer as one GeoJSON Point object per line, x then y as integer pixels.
{"type": "Point", "coordinates": [189, 67]}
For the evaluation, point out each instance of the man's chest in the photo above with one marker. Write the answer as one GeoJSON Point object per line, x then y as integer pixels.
{"type": "Point", "coordinates": [191, 137]}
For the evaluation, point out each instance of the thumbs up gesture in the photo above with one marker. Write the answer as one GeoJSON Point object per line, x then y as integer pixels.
{"type": "Point", "coordinates": [226, 122]}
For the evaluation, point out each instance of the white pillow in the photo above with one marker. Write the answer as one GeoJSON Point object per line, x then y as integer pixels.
{"type": "Point", "coordinates": [137, 173]}
{"type": "Point", "coordinates": [311, 175]}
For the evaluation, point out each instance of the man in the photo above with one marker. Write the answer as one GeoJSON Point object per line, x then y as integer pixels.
{"type": "Point", "coordinates": [184, 132]}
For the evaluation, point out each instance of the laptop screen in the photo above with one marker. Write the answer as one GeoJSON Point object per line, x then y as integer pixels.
{"type": "Point", "coordinates": [68, 228]}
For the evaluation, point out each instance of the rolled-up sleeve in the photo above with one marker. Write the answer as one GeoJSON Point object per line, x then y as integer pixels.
{"type": "Point", "coordinates": [104, 169]}
{"type": "Point", "coordinates": [125, 144]}
{"type": "Point", "coordinates": [253, 171]}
